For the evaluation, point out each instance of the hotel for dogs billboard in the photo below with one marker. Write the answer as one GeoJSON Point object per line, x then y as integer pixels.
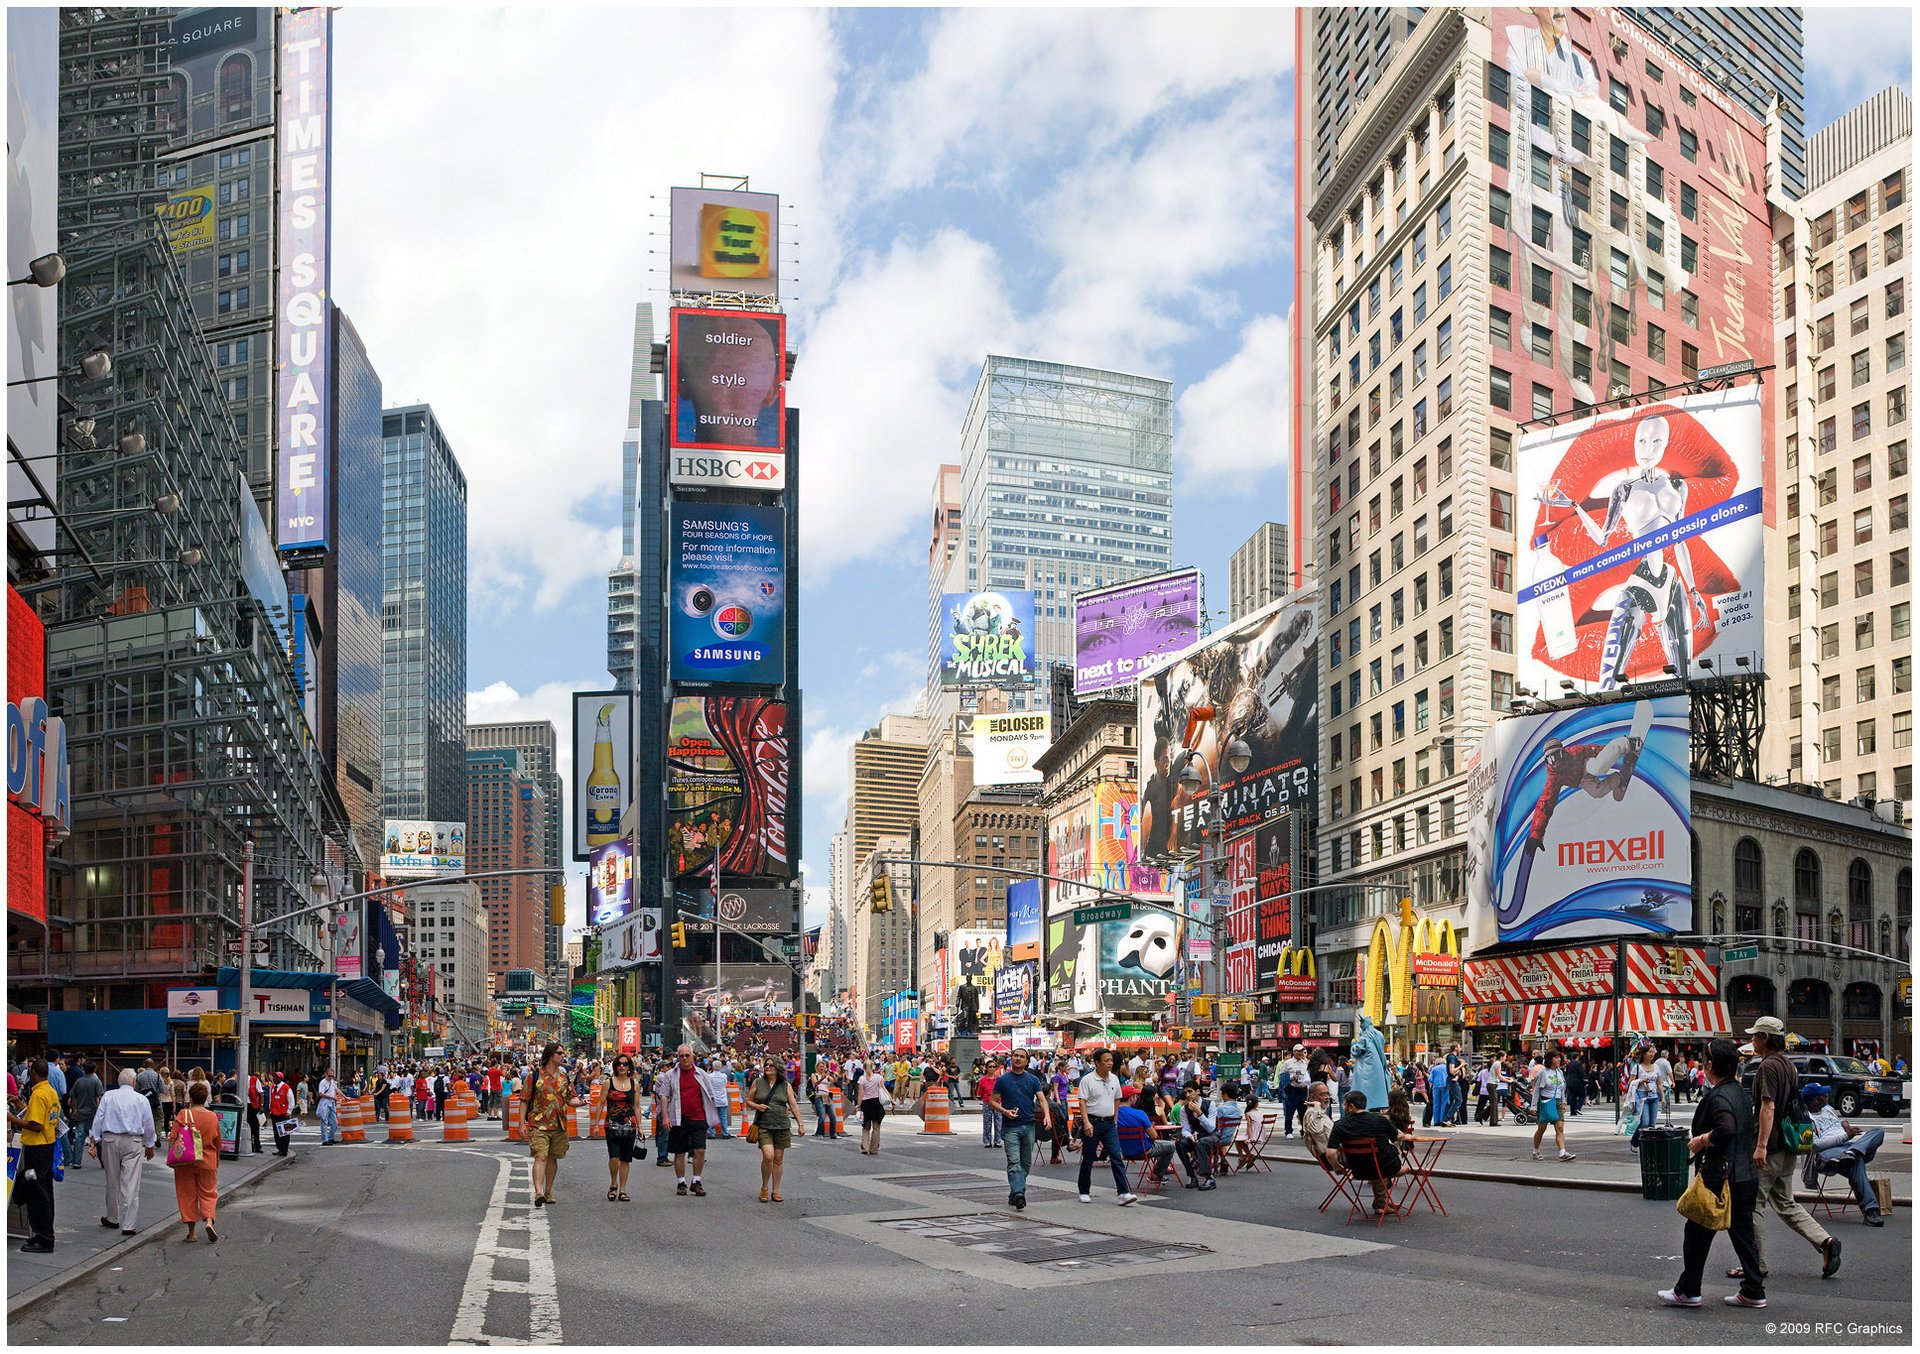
{"type": "Point", "coordinates": [1261, 679]}
{"type": "Point", "coordinates": [1644, 550]}
{"type": "Point", "coordinates": [1579, 822]}
{"type": "Point", "coordinates": [1121, 631]}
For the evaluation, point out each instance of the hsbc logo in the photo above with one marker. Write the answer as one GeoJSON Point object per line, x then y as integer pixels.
{"type": "Point", "coordinates": [764, 470]}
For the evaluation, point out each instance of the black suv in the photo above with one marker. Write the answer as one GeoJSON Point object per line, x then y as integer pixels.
{"type": "Point", "coordinates": [1855, 1085]}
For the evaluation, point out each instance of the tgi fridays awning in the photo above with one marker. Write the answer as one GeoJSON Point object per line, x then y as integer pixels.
{"type": "Point", "coordinates": [1571, 1020]}
{"type": "Point", "coordinates": [1675, 1017]}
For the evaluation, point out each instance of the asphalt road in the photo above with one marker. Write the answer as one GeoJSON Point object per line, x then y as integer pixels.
{"type": "Point", "coordinates": [427, 1244]}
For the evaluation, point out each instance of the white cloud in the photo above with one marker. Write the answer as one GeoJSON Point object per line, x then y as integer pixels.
{"type": "Point", "coordinates": [1853, 52]}
{"type": "Point", "coordinates": [825, 768]}
{"type": "Point", "coordinates": [1235, 424]}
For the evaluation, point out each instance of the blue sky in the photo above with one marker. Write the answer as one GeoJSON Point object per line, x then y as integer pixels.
{"type": "Point", "coordinates": [1111, 188]}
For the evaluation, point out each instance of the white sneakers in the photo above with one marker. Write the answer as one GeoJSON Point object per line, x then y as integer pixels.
{"type": "Point", "coordinates": [1086, 1198]}
{"type": "Point", "coordinates": [1672, 1299]}
{"type": "Point", "coordinates": [1566, 1156]}
{"type": "Point", "coordinates": [1126, 1199]}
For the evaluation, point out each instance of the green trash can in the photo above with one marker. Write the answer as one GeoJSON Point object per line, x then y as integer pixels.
{"type": "Point", "coordinates": [1663, 1163]}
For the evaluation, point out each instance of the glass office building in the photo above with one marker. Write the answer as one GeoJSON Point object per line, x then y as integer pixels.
{"type": "Point", "coordinates": [424, 618]}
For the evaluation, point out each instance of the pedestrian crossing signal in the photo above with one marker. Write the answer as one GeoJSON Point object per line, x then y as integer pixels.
{"type": "Point", "coordinates": [679, 935]}
{"type": "Point", "coordinates": [880, 894]}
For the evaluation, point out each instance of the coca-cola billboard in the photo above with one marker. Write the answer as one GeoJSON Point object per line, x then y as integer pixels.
{"type": "Point", "coordinates": [728, 759]}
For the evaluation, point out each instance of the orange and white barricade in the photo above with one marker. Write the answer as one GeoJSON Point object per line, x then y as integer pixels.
{"type": "Point", "coordinates": [935, 1115]}
{"type": "Point", "coordinates": [1073, 1106]}
{"type": "Point", "coordinates": [399, 1119]}
{"type": "Point", "coordinates": [454, 1120]}
{"type": "Point", "coordinates": [351, 1129]}
{"type": "Point", "coordinates": [597, 1105]}
{"type": "Point", "coordinates": [839, 1111]}
{"type": "Point", "coordinates": [516, 1123]}
{"type": "Point", "coordinates": [735, 1108]}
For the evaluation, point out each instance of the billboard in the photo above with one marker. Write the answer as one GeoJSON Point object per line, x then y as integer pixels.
{"type": "Point", "coordinates": [1023, 920]}
{"type": "Point", "coordinates": [610, 882]}
{"type": "Point", "coordinates": [1013, 994]}
{"type": "Point", "coordinates": [975, 956]}
{"type": "Point", "coordinates": [420, 849]}
{"type": "Point", "coordinates": [724, 242]}
{"type": "Point", "coordinates": [1113, 966]}
{"type": "Point", "coordinates": [987, 639]}
{"type": "Point", "coordinates": [1273, 860]}
{"type": "Point", "coordinates": [727, 380]}
{"type": "Point", "coordinates": [761, 989]}
{"type": "Point", "coordinates": [602, 767]}
{"type": "Point", "coordinates": [728, 759]}
{"type": "Point", "coordinates": [727, 620]}
{"type": "Point", "coordinates": [33, 341]}
{"type": "Point", "coordinates": [303, 331]}
{"type": "Point", "coordinates": [1645, 547]}
{"type": "Point", "coordinates": [220, 72]}
{"type": "Point", "coordinates": [1262, 677]}
{"type": "Point", "coordinates": [1093, 837]}
{"type": "Point", "coordinates": [188, 219]}
{"type": "Point", "coordinates": [633, 939]}
{"type": "Point", "coordinates": [1244, 873]}
{"type": "Point", "coordinates": [1635, 195]}
{"type": "Point", "coordinates": [1120, 632]}
{"type": "Point", "coordinates": [754, 912]}
{"type": "Point", "coordinates": [1580, 822]}
{"type": "Point", "coordinates": [1005, 747]}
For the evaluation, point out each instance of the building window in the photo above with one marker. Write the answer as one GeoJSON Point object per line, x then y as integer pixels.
{"type": "Point", "coordinates": [1501, 382]}
{"type": "Point", "coordinates": [236, 87]}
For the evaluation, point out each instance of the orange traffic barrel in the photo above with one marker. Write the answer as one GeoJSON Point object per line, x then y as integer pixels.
{"type": "Point", "coordinates": [516, 1125]}
{"type": "Point", "coordinates": [839, 1111]}
{"type": "Point", "coordinates": [453, 1120]}
{"type": "Point", "coordinates": [352, 1126]}
{"type": "Point", "coordinates": [399, 1119]}
{"type": "Point", "coordinates": [935, 1119]}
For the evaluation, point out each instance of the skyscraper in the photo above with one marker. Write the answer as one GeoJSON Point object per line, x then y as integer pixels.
{"type": "Point", "coordinates": [538, 746]}
{"type": "Point", "coordinates": [1066, 482]}
{"type": "Point", "coordinates": [424, 741]}
{"type": "Point", "coordinates": [640, 480]}
{"type": "Point", "coordinates": [506, 815]}
{"type": "Point", "coordinates": [1257, 574]}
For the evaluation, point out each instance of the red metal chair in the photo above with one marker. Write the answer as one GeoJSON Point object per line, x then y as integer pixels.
{"type": "Point", "coordinates": [1255, 1133]}
{"type": "Point", "coordinates": [1136, 1147]}
{"type": "Point", "coordinates": [1365, 1153]}
{"type": "Point", "coordinates": [1343, 1183]}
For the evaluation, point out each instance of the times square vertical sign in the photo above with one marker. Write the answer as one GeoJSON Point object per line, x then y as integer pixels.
{"type": "Point", "coordinates": [304, 336]}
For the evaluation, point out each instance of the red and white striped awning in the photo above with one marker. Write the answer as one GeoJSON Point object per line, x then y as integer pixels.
{"type": "Point", "coordinates": [1671, 971]}
{"type": "Point", "coordinates": [1675, 1017]}
{"type": "Point", "coordinates": [1570, 1020]}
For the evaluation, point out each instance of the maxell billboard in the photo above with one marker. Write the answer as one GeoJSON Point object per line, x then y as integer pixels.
{"type": "Point", "coordinates": [303, 330]}
{"type": "Point", "coordinates": [1645, 547]}
{"type": "Point", "coordinates": [1261, 679]}
{"type": "Point", "coordinates": [1119, 632]}
{"type": "Point", "coordinates": [1579, 822]}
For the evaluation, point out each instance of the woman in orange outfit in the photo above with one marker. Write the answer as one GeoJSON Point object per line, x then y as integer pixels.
{"type": "Point", "coordinates": [196, 1187]}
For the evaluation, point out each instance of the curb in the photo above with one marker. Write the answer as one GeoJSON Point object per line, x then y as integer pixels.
{"type": "Point", "coordinates": [1561, 1182]}
{"type": "Point", "coordinates": [46, 1288]}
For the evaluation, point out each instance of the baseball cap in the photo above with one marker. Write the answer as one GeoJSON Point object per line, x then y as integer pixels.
{"type": "Point", "coordinates": [1814, 1089]}
{"type": "Point", "coordinates": [1767, 1025]}
{"type": "Point", "coordinates": [1745, 1050]}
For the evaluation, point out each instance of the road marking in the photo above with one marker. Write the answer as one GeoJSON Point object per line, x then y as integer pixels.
{"type": "Point", "coordinates": [540, 1285]}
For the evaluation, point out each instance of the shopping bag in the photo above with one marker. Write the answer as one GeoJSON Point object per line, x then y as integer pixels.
{"type": "Point", "coordinates": [60, 1157]}
{"type": "Point", "coordinates": [1882, 1191]}
{"type": "Point", "coordinates": [1631, 1124]}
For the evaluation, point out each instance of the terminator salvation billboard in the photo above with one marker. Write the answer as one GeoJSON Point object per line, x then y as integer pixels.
{"type": "Point", "coordinates": [1119, 632]}
{"type": "Point", "coordinates": [728, 759]}
{"type": "Point", "coordinates": [1635, 234]}
{"type": "Point", "coordinates": [1262, 679]}
{"type": "Point", "coordinates": [1579, 822]}
{"type": "Point", "coordinates": [1645, 549]}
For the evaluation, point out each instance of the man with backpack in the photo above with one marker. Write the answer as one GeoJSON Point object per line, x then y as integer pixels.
{"type": "Point", "coordinates": [1776, 1090]}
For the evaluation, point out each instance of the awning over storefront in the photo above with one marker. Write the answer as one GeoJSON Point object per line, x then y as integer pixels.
{"type": "Point", "coordinates": [277, 977]}
{"type": "Point", "coordinates": [22, 1022]}
{"type": "Point", "coordinates": [1571, 1020]}
{"type": "Point", "coordinates": [371, 995]}
{"type": "Point", "coordinates": [1675, 1017]}
{"type": "Point", "coordinates": [108, 1029]}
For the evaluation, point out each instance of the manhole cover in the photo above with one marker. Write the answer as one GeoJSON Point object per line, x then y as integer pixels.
{"type": "Point", "coordinates": [1028, 1241]}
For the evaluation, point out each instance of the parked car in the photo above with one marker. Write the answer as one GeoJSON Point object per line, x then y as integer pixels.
{"type": "Point", "coordinates": [1855, 1085]}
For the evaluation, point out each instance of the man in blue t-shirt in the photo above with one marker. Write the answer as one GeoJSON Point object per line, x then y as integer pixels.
{"type": "Point", "coordinates": [1135, 1126]}
{"type": "Point", "coordinates": [1017, 1097]}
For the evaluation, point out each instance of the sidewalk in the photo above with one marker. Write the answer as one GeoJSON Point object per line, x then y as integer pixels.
{"type": "Point", "coordinates": [82, 1245]}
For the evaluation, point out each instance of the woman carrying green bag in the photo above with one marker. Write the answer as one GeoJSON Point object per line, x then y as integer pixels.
{"type": "Point", "coordinates": [1550, 1104]}
{"type": "Point", "coordinates": [1724, 1127]}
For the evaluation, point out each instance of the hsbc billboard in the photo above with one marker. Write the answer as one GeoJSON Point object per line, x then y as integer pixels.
{"type": "Point", "coordinates": [728, 469]}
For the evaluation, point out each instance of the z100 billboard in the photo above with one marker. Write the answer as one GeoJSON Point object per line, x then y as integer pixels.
{"type": "Point", "coordinates": [1645, 549]}
{"type": "Point", "coordinates": [727, 621]}
{"type": "Point", "coordinates": [1119, 632]}
{"type": "Point", "coordinates": [987, 639]}
{"type": "Point", "coordinates": [1579, 822]}
{"type": "Point", "coordinates": [1261, 679]}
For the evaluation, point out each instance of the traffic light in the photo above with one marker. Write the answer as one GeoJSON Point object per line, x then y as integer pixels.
{"type": "Point", "coordinates": [1202, 1007]}
{"type": "Point", "coordinates": [557, 905]}
{"type": "Point", "coordinates": [679, 935]}
{"type": "Point", "coordinates": [880, 893]}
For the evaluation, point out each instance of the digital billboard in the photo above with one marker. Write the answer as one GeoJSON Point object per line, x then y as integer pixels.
{"type": "Point", "coordinates": [757, 989]}
{"type": "Point", "coordinates": [610, 882]}
{"type": "Point", "coordinates": [304, 332]}
{"type": "Point", "coordinates": [417, 849]}
{"type": "Point", "coordinates": [1645, 547]}
{"type": "Point", "coordinates": [727, 380]}
{"type": "Point", "coordinates": [1013, 993]}
{"type": "Point", "coordinates": [1023, 919]}
{"type": "Point", "coordinates": [723, 242]}
{"type": "Point", "coordinates": [1631, 209]}
{"type": "Point", "coordinates": [1579, 822]}
{"type": "Point", "coordinates": [1273, 858]}
{"type": "Point", "coordinates": [633, 939]}
{"type": "Point", "coordinates": [753, 912]}
{"type": "Point", "coordinates": [1243, 874]}
{"type": "Point", "coordinates": [728, 759]}
{"type": "Point", "coordinates": [602, 784]}
{"type": "Point", "coordinates": [1093, 837]}
{"type": "Point", "coordinates": [1005, 747]}
{"type": "Point", "coordinates": [1120, 632]}
{"type": "Point", "coordinates": [727, 619]}
{"type": "Point", "coordinates": [986, 638]}
{"type": "Point", "coordinates": [1261, 678]}
{"type": "Point", "coordinates": [33, 340]}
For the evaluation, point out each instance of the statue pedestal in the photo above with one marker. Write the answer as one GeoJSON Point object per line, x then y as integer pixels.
{"type": "Point", "coordinates": [963, 1049]}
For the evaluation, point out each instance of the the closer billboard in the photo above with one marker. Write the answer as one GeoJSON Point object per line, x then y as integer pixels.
{"type": "Point", "coordinates": [1120, 632]}
{"type": "Point", "coordinates": [304, 329]}
{"type": "Point", "coordinates": [1645, 550]}
{"type": "Point", "coordinates": [727, 619]}
{"type": "Point", "coordinates": [1261, 678]}
{"type": "Point", "coordinates": [728, 761]}
{"type": "Point", "coordinates": [1579, 822]}
{"type": "Point", "coordinates": [727, 380]}
{"type": "Point", "coordinates": [1005, 747]}
{"type": "Point", "coordinates": [724, 242]}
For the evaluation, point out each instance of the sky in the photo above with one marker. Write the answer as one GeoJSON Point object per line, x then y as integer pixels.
{"type": "Point", "coordinates": [1110, 188]}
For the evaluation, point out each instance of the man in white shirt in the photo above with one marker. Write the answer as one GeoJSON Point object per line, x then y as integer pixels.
{"type": "Point", "coordinates": [1099, 1123]}
{"type": "Point", "coordinates": [1133, 1064]}
{"type": "Point", "coordinates": [122, 1137]}
{"type": "Point", "coordinates": [1190, 1068]}
{"type": "Point", "coordinates": [329, 1107]}
{"type": "Point", "coordinates": [1664, 1067]}
{"type": "Point", "coordinates": [1293, 1087]}
{"type": "Point", "coordinates": [1841, 1148]}
{"type": "Point", "coordinates": [717, 1080]}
